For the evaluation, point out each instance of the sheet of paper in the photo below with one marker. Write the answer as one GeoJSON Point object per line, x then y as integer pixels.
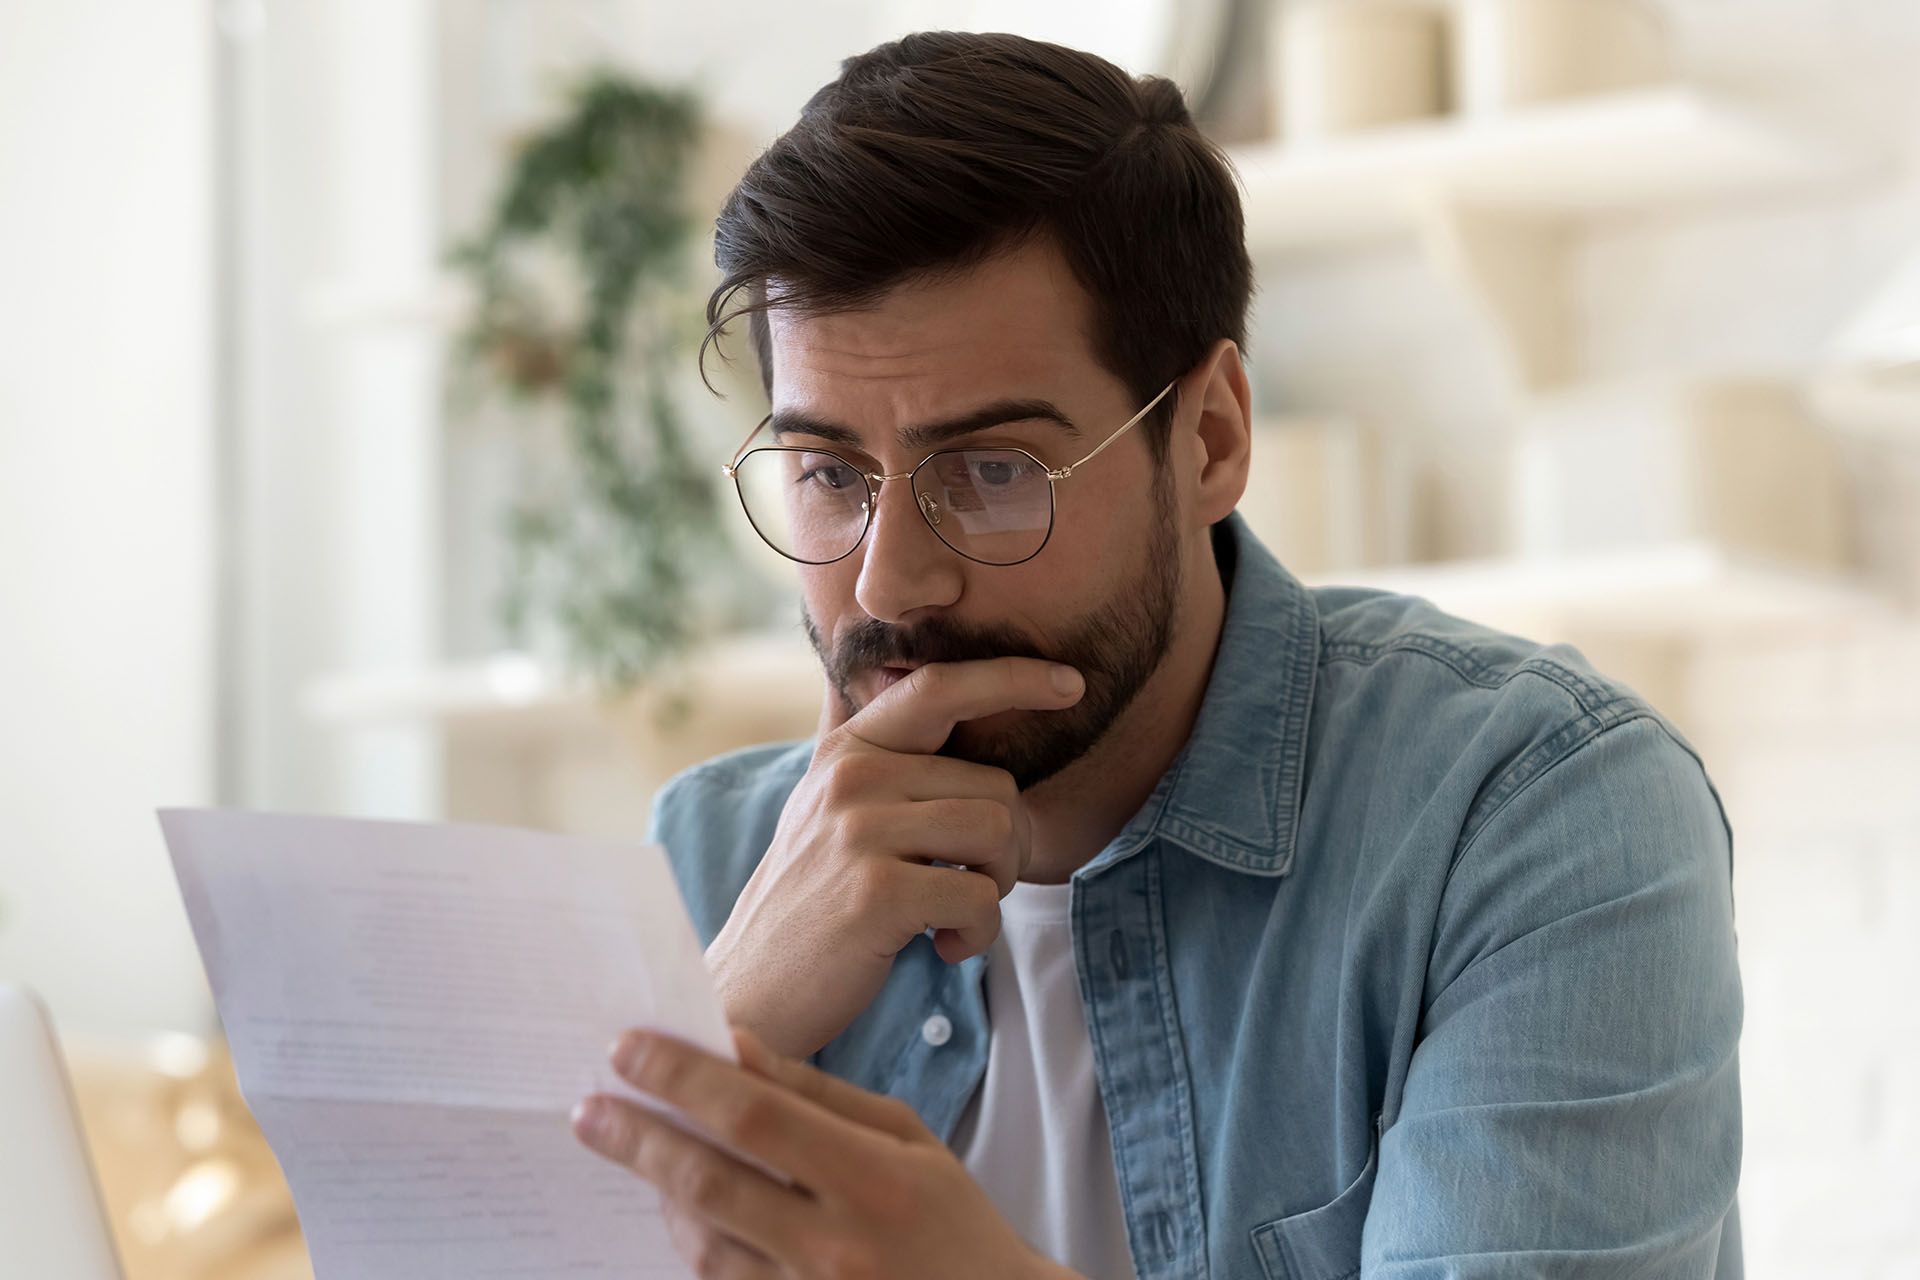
{"type": "Point", "coordinates": [413, 1011]}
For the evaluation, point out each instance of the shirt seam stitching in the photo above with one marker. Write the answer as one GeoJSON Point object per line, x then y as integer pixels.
{"type": "Point", "coordinates": [1587, 695]}
{"type": "Point", "coordinates": [1176, 1048]}
{"type": "Point", "coordinates": [1594, 734]}
{"type": "Point", "coordinates": [1097, 1033]}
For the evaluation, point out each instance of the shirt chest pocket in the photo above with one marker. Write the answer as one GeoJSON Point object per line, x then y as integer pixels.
{"type": "Point", "coordinates": [1323, 1243]}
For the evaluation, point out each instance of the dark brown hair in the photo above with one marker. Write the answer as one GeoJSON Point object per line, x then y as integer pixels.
{"type": "Point", "coordinates": [932, 152]}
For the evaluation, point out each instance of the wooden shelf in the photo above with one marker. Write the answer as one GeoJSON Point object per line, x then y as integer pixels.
{"type": "Point", "coordinates": [1668, 589]}
{"type": "Point", "coordinates": [1633, 151]}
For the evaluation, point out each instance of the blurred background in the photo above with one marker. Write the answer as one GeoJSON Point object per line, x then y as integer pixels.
{"type": "Point", "coordinates": [353, 459]}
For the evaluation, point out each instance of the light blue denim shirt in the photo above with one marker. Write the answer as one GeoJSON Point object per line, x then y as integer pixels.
{"type": "Point", "coordinates": [1418, 962]}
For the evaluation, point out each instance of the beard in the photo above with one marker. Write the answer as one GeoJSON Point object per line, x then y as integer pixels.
{"type": "Point", "coordinates": [1116, 647]}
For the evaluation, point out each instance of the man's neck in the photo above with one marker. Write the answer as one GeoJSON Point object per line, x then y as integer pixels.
{"type": "Point", "coordinates": [1077, 813]}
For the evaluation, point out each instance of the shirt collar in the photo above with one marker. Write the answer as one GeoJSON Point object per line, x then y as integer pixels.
{"type": "Point", "coordinates": [1232, 795]}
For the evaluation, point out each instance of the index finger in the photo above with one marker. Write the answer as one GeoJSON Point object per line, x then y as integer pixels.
{"type": "Point", "coordinates": [917, 713]}
{"type": "Point", "coordinates": [746, 1111]}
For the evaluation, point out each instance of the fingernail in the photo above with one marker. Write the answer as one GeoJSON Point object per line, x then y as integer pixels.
{"type": "Point", "coordinates": [1067, 681]}
{"type": "Point", "coordinates": [589, 1121]}
{"type": "Point", "coordinates": [625, 1053]}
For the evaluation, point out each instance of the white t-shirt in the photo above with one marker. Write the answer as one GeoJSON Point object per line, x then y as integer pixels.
{"type": "Point", "coordinates": [1034, 1134]}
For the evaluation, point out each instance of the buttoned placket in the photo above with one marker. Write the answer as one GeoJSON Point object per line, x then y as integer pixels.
{"type": "Point", "coordinates": [1139, 1058]}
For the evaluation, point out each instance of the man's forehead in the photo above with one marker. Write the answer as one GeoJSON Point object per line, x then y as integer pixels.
{"type": "Point", "coordinates": [919, 377]}
{"type": "Point", "coordinates": [927, 396]}
{"type": "Point", "coordinates": [889, 344]}
{"type": "Point", "coordinates": [936, 352]}
{"type": "Point", "coordinates": [897, 388]}
{"type": "Point", "coordinates": [1019, 309]}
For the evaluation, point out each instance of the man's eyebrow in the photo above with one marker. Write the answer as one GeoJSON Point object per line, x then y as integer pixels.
{"type": "Point", "coordinates": [929, 435]}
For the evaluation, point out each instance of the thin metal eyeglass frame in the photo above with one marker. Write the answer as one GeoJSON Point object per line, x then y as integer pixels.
{"type": "Point", "coordinates": [875, 479]}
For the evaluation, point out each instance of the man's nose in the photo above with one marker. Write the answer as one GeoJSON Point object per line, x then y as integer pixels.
{"type": "Point", "coordinates": [905, 567]}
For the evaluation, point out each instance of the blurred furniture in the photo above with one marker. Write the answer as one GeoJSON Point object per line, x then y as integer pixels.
{"type": "Point", "coordinates": [191, 1188]}
{"type": "Point", "coordinates": [522, 744]}
{"type": "Point", "coordinates": [1343, 66]}
{"type": "Point", "coordinates": [1514, 53]}
{"type": "Point", "coordinates": [1637, 533]}
{"type": "Point", "coordinates": [1737, 464]}
{"type": "Point", "coordinates": [1491, 202]}
{"type": "Point", "coordinates": [1323, 493]}
{"type": "Point", "coordinates": [1870, 376]}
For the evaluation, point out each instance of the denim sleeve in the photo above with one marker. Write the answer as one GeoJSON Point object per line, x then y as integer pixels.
{"type": "Point", "coordinates": [1573, 1105]}
{"type": "Point", "coordinates": [686, 814]}
{"type": "Point", "coordinates": [715, 821]}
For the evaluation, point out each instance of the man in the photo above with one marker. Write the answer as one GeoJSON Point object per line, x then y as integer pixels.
{"type": "Point", "coordinates": [1137, 910]}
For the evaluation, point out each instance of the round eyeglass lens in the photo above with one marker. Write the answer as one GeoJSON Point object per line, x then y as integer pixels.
{"type": "Point", "coordinates": [990, 505]}
{"type": "Point", "coordinates": [808, 505]}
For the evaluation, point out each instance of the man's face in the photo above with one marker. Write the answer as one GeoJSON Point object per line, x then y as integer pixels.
{"type": "Point", "coordinates": [1101, 596]}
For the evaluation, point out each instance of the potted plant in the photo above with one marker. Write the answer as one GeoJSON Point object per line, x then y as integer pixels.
{"type": "Point", "coordinates": [580, 313]}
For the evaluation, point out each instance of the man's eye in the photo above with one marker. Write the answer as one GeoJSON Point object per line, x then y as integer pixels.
{"type": "Point", "coordinates": [828, 476]}
{"type": "Point", "coordinates": [999, 472]}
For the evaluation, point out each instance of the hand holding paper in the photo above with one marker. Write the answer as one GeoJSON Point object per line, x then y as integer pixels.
{"type": "Point", "coordinates": [415, 1009]}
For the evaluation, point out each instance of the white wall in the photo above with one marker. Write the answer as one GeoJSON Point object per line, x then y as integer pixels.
{"type": "Point", "coordinates": [106, 492]}
{"type": "Point", "coordinates": [338, 431]}
{"type": "Point", "coordinates": [1815, 744]}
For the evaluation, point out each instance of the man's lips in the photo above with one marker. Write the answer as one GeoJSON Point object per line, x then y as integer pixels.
{"type": "Point", "coordinates": [885, 677]}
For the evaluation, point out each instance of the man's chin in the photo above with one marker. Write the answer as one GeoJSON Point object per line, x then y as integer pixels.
{"type": "Point", "coordinates": [1021, 742]}
{"type": "Point", "coordinates": [998, 729]}
{"type": "Point", "coordinates": [994, 738]}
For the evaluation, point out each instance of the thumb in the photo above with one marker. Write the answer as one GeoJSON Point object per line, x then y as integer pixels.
{"type": "Point", "coordinates": [874, 1110]}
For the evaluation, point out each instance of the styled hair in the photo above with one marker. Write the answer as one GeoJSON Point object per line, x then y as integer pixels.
{"type": "Point", "coordinates": [933, 152]}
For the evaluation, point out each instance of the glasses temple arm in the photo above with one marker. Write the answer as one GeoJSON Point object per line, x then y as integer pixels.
{"type": "Point", "coordinates": [728, 467]}
{"type": "Point", "coordinates": [1069, 469]}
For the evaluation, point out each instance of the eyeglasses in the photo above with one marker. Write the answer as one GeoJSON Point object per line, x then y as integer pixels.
{"type": "Point", "coordinates": [993, 506]}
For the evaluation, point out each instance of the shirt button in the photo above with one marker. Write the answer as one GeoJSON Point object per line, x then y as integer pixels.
{"type": "Point", "coordinates": [936, 1030]}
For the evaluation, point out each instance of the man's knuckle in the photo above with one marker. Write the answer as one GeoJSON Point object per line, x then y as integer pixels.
{"type": "Point", "coordinates": [620, 1142]}
{"type": "Point", "coordinates": [929, 680]}
{"type": "Point", "coordinates": [751, 1122]}
{"type": "Point", "coordinates": [847, 1257]}
{"type": "Point", "coordinates": [645, 1153]}
{"type": "Point", "coordinates": [710, 1255]}
{"type": "Point", "coordinates": [660, 1070]}
{"type": "Point", "coordinates": [702, 1187]}
{"type": "Point", "coordinates": [870, 886]}
{"type": "Point", "coordinates": [900, 1114]}
{"type": "Point", "coordinates": [893, 1199]}
{"type": "Point", "coordinates": [981, 823]}
{"type": "Point", "coordinates": [841, 779]}
{"type": "Point", "coordinates": [949, 817]}
{"type": "Point", "coordinates": [855, 827]}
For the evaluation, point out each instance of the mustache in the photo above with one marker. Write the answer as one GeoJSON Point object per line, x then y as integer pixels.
{"type": "Point", "coordinates": [871, 643]}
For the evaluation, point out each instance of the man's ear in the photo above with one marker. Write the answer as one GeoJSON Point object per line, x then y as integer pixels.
{"type": "Point", "coordinates": [1215, 428]}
